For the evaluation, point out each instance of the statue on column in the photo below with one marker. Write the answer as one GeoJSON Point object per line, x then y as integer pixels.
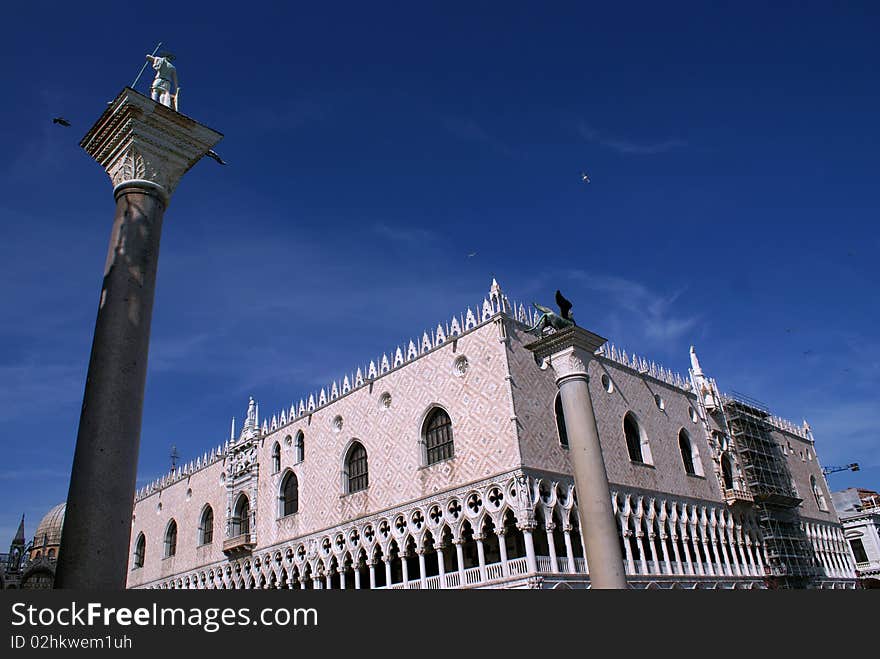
{"type": "Point", "coordinates": [549, 319]}
{"type": "Point", "coordinates": [166, 75]}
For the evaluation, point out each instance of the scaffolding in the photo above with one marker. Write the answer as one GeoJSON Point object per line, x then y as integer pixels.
{"type": "Point", "coordinates": [766, 473]}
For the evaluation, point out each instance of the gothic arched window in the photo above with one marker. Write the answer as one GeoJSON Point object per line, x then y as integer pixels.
{"type": "Point", "coordinates": [356, 476]}
{"type": "Point", "coordinates": [140, 550]}
{"type": "Point", "coordinates": [300, 446]}
{"type": "Point", "coordinates": [438, 437]}
{"type": "Point", "coordinates": [817, 492]}
{"type": "Point", "coordinates": [687, 452]}
{"type": "Point", "coordinates": [633, 438]}
{"type": "Point", "coordinates": [276, 458]}
{"type": "Point", "coordinates": [206, 526]}
{"type": "Point", "coordinates": [727, 471]}
{"type": "Point", "coordinates": [241, 517]}
{"type": "Point", "coordinates": [288, 497]}
{"type": "Point", "coordinates": [171, 539]}
{"type": "Point", "coordinates": [560, 421]}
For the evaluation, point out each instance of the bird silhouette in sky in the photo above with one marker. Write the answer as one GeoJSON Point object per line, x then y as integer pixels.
{"type": "Point", "coordinates": [61, 120]}
{"type": "Point", "coordinates": [585, 177]}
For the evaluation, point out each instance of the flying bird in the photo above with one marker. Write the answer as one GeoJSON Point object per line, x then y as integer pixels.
{"type": "Point", "coordinates": [585, 177]}
{"type": "Point", "coordinates": [472, 254]}
{"type": "Point", "coordinates": [564, 306]}
{"type": "Point", "coordinates": [61, 120]}
{"type": "Point", "coordinates": [213, 154]}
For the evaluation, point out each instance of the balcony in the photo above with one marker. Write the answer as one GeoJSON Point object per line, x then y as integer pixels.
{"type": "Point", "coordinates": [737, 495]}
{"type": "Point", "coordinates": [239, 545]}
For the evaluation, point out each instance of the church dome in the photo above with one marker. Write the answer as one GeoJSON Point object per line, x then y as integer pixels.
{"type": "Point", "coordinates": [50, 527]}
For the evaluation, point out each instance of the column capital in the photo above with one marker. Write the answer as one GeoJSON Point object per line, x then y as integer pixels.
{"type": "Point", "coordinates": [567, 351]}
{"type": "Point", "coordinates": [142, 143]}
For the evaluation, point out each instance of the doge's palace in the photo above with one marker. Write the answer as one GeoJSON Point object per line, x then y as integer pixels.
{"type": "Point", "coordinates": [444, 463]}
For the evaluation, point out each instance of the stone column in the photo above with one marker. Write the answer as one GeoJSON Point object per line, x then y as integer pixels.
{"type": "Point", "coordinates": [423, 579]}
{"type": "Point", "coordinates": [441, 566]}
{"type": "Point", "coordinates": [372, 567]}
{"type": "Point", "coordinates": [146, 148]}
{"type": "Point", "coordinates": [695, 541]}
{"type": "Point", "coordinates": [666, 561]}
{"type": "Point", "coordinates": [683, 532]}
{"type": "Point", "coordinates": [728, 571]}
{"type": "Point", "coordinates": [481, 558]}
{"type": "Point", "coordinates": [627, 545]}
{"type": "Point", "coordinates": [569, 352]}
{"type": "Point", "coordinates": [502, 550]}
{"type": "Point", "coordinates": [531, 562]}
{"type": "Point", "coordinates": [551, 546]}
{"type": "Point", "coordinates": [569, 551]}
{"type": "Point", "coordinates": [459, 557]}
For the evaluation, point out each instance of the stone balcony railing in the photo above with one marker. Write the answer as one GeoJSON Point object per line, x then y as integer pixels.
{"type": "Point", "coordinates": [240, 544]}
{"type": "Point", "coordinates": [737, 495]}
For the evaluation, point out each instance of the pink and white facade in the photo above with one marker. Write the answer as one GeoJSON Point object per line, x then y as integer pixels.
{"type": "Point", "coordinates": [291, 508]}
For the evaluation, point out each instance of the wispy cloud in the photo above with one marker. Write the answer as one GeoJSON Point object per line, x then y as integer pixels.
{"type": "Point", "coordinates": [656, 312]}
{"type": "Point", "coordinates": [33, 474]}
{"type": "Point", "coordinates": [27, 388]}
{"type": "Point", "coordinates": [409, 236]}
{"type": "Point", "coordinates": [627, 146]}
{"type": "Point", "coordinates": [846, 431]}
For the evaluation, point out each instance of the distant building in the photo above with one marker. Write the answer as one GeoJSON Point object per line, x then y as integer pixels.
{"type": "Point", "coordinates": [859, 512]}
{"type": "Point", "coordinates": [444, 464]}
{"type": "Point", "coordinates": [31, 565]}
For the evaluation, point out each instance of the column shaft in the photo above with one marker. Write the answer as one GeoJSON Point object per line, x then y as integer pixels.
{"type": "Point", "coordinates": [594, 496]}
{"type": "Point", "coordinates": [102, 482]}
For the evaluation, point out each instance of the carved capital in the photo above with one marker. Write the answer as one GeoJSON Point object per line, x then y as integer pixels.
{"type": "Point", "coordinates": [142, 143]}
{"type": "Point", "coordinates": [570, 362]}
{"type": "Point", "coordinates": [567, 351]}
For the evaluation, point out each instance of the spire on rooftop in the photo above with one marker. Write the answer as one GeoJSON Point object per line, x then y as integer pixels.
{"type": "Point", "coordinates": [19, 535]}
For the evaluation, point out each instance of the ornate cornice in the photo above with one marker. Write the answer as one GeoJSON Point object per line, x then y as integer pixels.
{"type": "Point", "coordinates": [142, 143]}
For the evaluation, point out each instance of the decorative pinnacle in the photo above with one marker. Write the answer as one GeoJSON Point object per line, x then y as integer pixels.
{"type": "Point", "coordinates": [695, 363]}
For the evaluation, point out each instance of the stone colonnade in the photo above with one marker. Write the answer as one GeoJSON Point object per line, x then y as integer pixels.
{"type": "Point", "coordinates": [501, 532]}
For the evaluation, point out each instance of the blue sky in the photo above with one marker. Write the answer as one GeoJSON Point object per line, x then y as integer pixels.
{"type": "Point", "coordinates": [371, 149]}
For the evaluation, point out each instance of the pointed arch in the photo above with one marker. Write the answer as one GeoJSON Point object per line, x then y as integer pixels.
{"type": "Point", "coordinates": [276, 458]}
{"type": "Point", "coordinates": [171, 539]}
{"type": "Point", "coordinates": [637, 445]}
{"type": "Point", "coordinates": [688, 457]}
{"type": "Point", "coordinates": [300, 446]}
{"type": "Point", "coordinates": [355, 474]}
{"type": "Point", "coordinates": [818, 494]}
{"type": "Point", "coordinates": [436, 436]}
{"type": "Point", "coordinates": [206, 526]}
{"type": "Point", "coordinates": [727, 471]}
{"type": "Point", "coordinates": [288, 495]}
{"type": "Point", "coordinates": [241, 516]}
{"type": "Point", "coordinates": [140, 551]}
